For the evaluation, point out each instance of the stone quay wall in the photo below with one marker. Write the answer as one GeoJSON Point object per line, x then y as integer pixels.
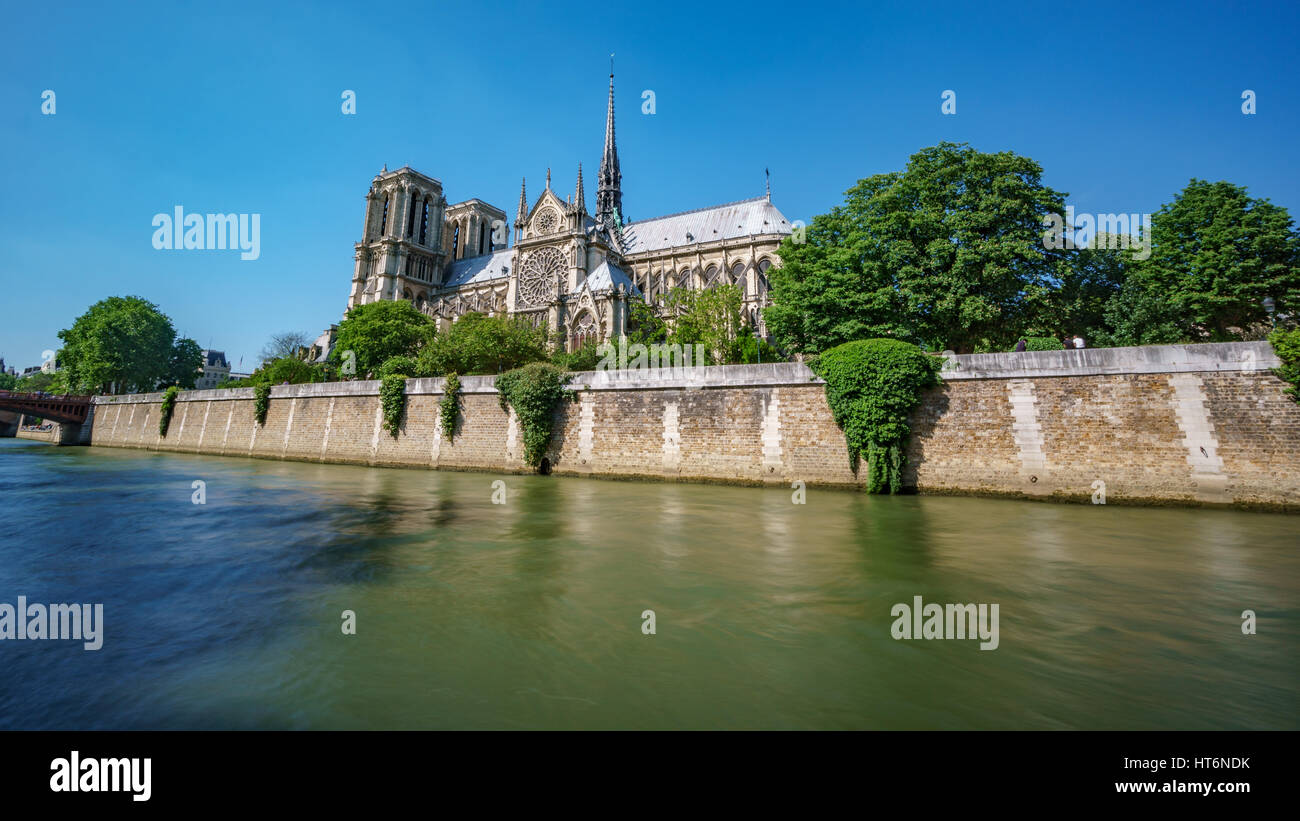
{"type": "Point", "coordinates": [1174, 424]}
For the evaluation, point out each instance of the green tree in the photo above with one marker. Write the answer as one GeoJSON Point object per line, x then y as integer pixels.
{"type": "Point", "coordinates": [1137, 315]}
{"type": "Point", "coordinates": [827, 289]}
{"type": "Point", "coordinates": [480, 344]}
{"type": "Point", "coordinates": [184, 363]}
{"type": "Point", "coordinates": [7, 381]}
{"type": "Point", "coordinates": [1216, 254]}
{"type": "Point", "coordinates": [126, 342]}
{"type": "Point", "coordinates": [289, 369]}
{"type": "Point", "coordinates": [379, 331]}
{"type": "Point", "coordinates": [586, 358]}
{"type": "Point", "coordinates": [948, 252]}
{"type": "Point", "coordinates": [40, 381]}
{"type": "Point", "coordinates": [709, 317]}
{"type": "Point", "coordinates": [1090, 279]}
{"type": "Point", "coordinates": [644, 324]}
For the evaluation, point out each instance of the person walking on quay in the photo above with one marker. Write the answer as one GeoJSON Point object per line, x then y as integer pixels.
{"type": "Point", "coordinates": [1020, 346]}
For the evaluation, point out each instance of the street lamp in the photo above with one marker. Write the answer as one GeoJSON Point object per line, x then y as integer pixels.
{"type": "Point", "coordinates": [1269, 307]}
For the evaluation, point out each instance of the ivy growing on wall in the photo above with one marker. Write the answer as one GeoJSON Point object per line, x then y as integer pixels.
{"type": "Point", "coordinates": [533, 391]}
{"type": "Point", "coordinates": [871, 386]}
{"type": "Point", "coordinates": [1286, 344]}
{"type": "Point", "coordinates": [165, 412]}
{"type": "Point", "coordinates": [449, 406]}
{"type": "Point", "coordinates": [392, 395]}
{"type": "Point", "coordinates": [261, 401]}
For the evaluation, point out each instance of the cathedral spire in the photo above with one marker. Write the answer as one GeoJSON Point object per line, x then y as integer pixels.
{"type": "Point", "coordinates": [577, 197]}
{"type": "Point", "coordinates": [609, 191]}
{"type": "Point", "coordinates": [523, 202]}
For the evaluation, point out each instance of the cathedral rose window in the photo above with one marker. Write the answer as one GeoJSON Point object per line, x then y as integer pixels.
{"type": "Point", "coordinates": [537, 280]}
{"type": "Point", "coordinates": [546, 221]}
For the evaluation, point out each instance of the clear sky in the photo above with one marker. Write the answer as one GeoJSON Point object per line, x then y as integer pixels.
{"type": "Point", "coordinates": [236, 108]}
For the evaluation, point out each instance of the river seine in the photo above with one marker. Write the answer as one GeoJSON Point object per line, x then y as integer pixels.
{"type": "Point", "coordinates": [533, 613]}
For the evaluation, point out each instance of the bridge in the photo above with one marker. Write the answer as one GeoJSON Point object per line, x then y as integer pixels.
{"type": "Point", "coordinates": [63, 409]}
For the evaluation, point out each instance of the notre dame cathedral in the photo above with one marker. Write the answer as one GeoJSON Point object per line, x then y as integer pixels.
{"type": "Point", "coordinates": [568, 269]}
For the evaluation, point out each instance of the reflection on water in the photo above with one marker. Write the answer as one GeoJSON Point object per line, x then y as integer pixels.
{"type": "Point", "coordinates": [528, 614]}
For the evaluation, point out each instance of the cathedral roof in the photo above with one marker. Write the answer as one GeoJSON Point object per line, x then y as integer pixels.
{"type": "Point", "coordinates": [482, 268]}
{"type": "Point", "coordinates": [729, 221]}
{"type": "Point", "coordinates": [606, 277]}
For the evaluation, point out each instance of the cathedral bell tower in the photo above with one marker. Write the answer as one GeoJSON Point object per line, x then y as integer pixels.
{"type": "Point", "coordinates": [401, 253]}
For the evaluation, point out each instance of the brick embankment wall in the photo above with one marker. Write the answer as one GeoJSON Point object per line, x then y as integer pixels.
{"type": "Point", "coordinates": [1164, 424]}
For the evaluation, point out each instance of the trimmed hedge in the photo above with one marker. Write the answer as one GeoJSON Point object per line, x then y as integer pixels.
{"type": "Point", "coordinates": [261, 401]}
{"type": "Point", "coordinates": [168, 407]}
{"type": "Point", "coordinates": [392, 394]}
{"type": "Point", "coordinates": [871, 386]}
{"type": "Point", "coordinates": [1286, 344]}
{"type": "Point", "coordinates": [533, 391]}
{"type": "Point", "coordinates": [1043, 343]}
{"type": "Point", "coordinates": [449, 408]}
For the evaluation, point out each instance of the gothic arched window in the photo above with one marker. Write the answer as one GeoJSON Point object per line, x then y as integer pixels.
{"type": "Point", "coordinates": [585, 330]}
{"type": "Point", "coordinates": [410, 221]}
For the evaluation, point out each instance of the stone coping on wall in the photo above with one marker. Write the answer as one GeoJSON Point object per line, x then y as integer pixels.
{"type": "Point", "coordinates": [1200, 358]}
{"type": "Point", "coordinates": [1210, 357]}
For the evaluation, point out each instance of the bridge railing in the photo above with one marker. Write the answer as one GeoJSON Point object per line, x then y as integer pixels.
{"type": "Point", "coordinates": [40, 396]}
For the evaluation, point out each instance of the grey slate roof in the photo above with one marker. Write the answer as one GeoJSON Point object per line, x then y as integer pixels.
{"type": "Point", "coordinates": [482, 268]}
{"type": "Point", "coordinates": [730, 221]}
{"type": "Point", "coordinates": [606, 277]}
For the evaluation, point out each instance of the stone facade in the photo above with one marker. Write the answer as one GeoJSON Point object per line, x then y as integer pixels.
{"type": "Point", "coordinates": [568, 270]}
{"type": "Point", "coordinates": [1197, 429]}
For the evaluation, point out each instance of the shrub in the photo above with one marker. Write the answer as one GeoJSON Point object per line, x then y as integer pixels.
{"type": "Point", "coordinates": [1043, 343]}
{"type": "Point", "coordinates": [404, 365]}
{"type": "Point", "coordinates": [448, 408]}
{"type": "Point", "coordinates": [377, 331]}
{"type": "Point", "coordinates": [287, 369]}
{"type": "Point", "coordinates": [871, 386]}
{"type": "Point", "coordinates": [481, 344]}
{"type": "Point", "coordinates": [754, 350]}
{"type": "Point", "coordinates": [168, 407]}
{"type": "Point", "coordinates": [585, 358]}
{"type": "Point", "coordinates": [392, 394]}
{"type": "Point", "coordinates": [261, 401]}
{"type": "Point", "coordinates": [533, 391]}
{"type": "Point", "coordinates": [1286, 344]}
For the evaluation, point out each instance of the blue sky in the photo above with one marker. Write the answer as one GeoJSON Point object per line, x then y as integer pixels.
{"type": "Point", "coordinates": [230, 107]}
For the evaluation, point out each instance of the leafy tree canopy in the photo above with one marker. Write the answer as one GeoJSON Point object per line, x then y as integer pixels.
{"type": "Point", "coordinates": [480, 344]}
{"type": "Point", "coordinates": [1216, 254]}
{"type": "Point", "coordinates": [379, 331]}
{"type": "Point", "coordinates": [129, 343]}
{"type": "Point", "coordinates": [946, 253]}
